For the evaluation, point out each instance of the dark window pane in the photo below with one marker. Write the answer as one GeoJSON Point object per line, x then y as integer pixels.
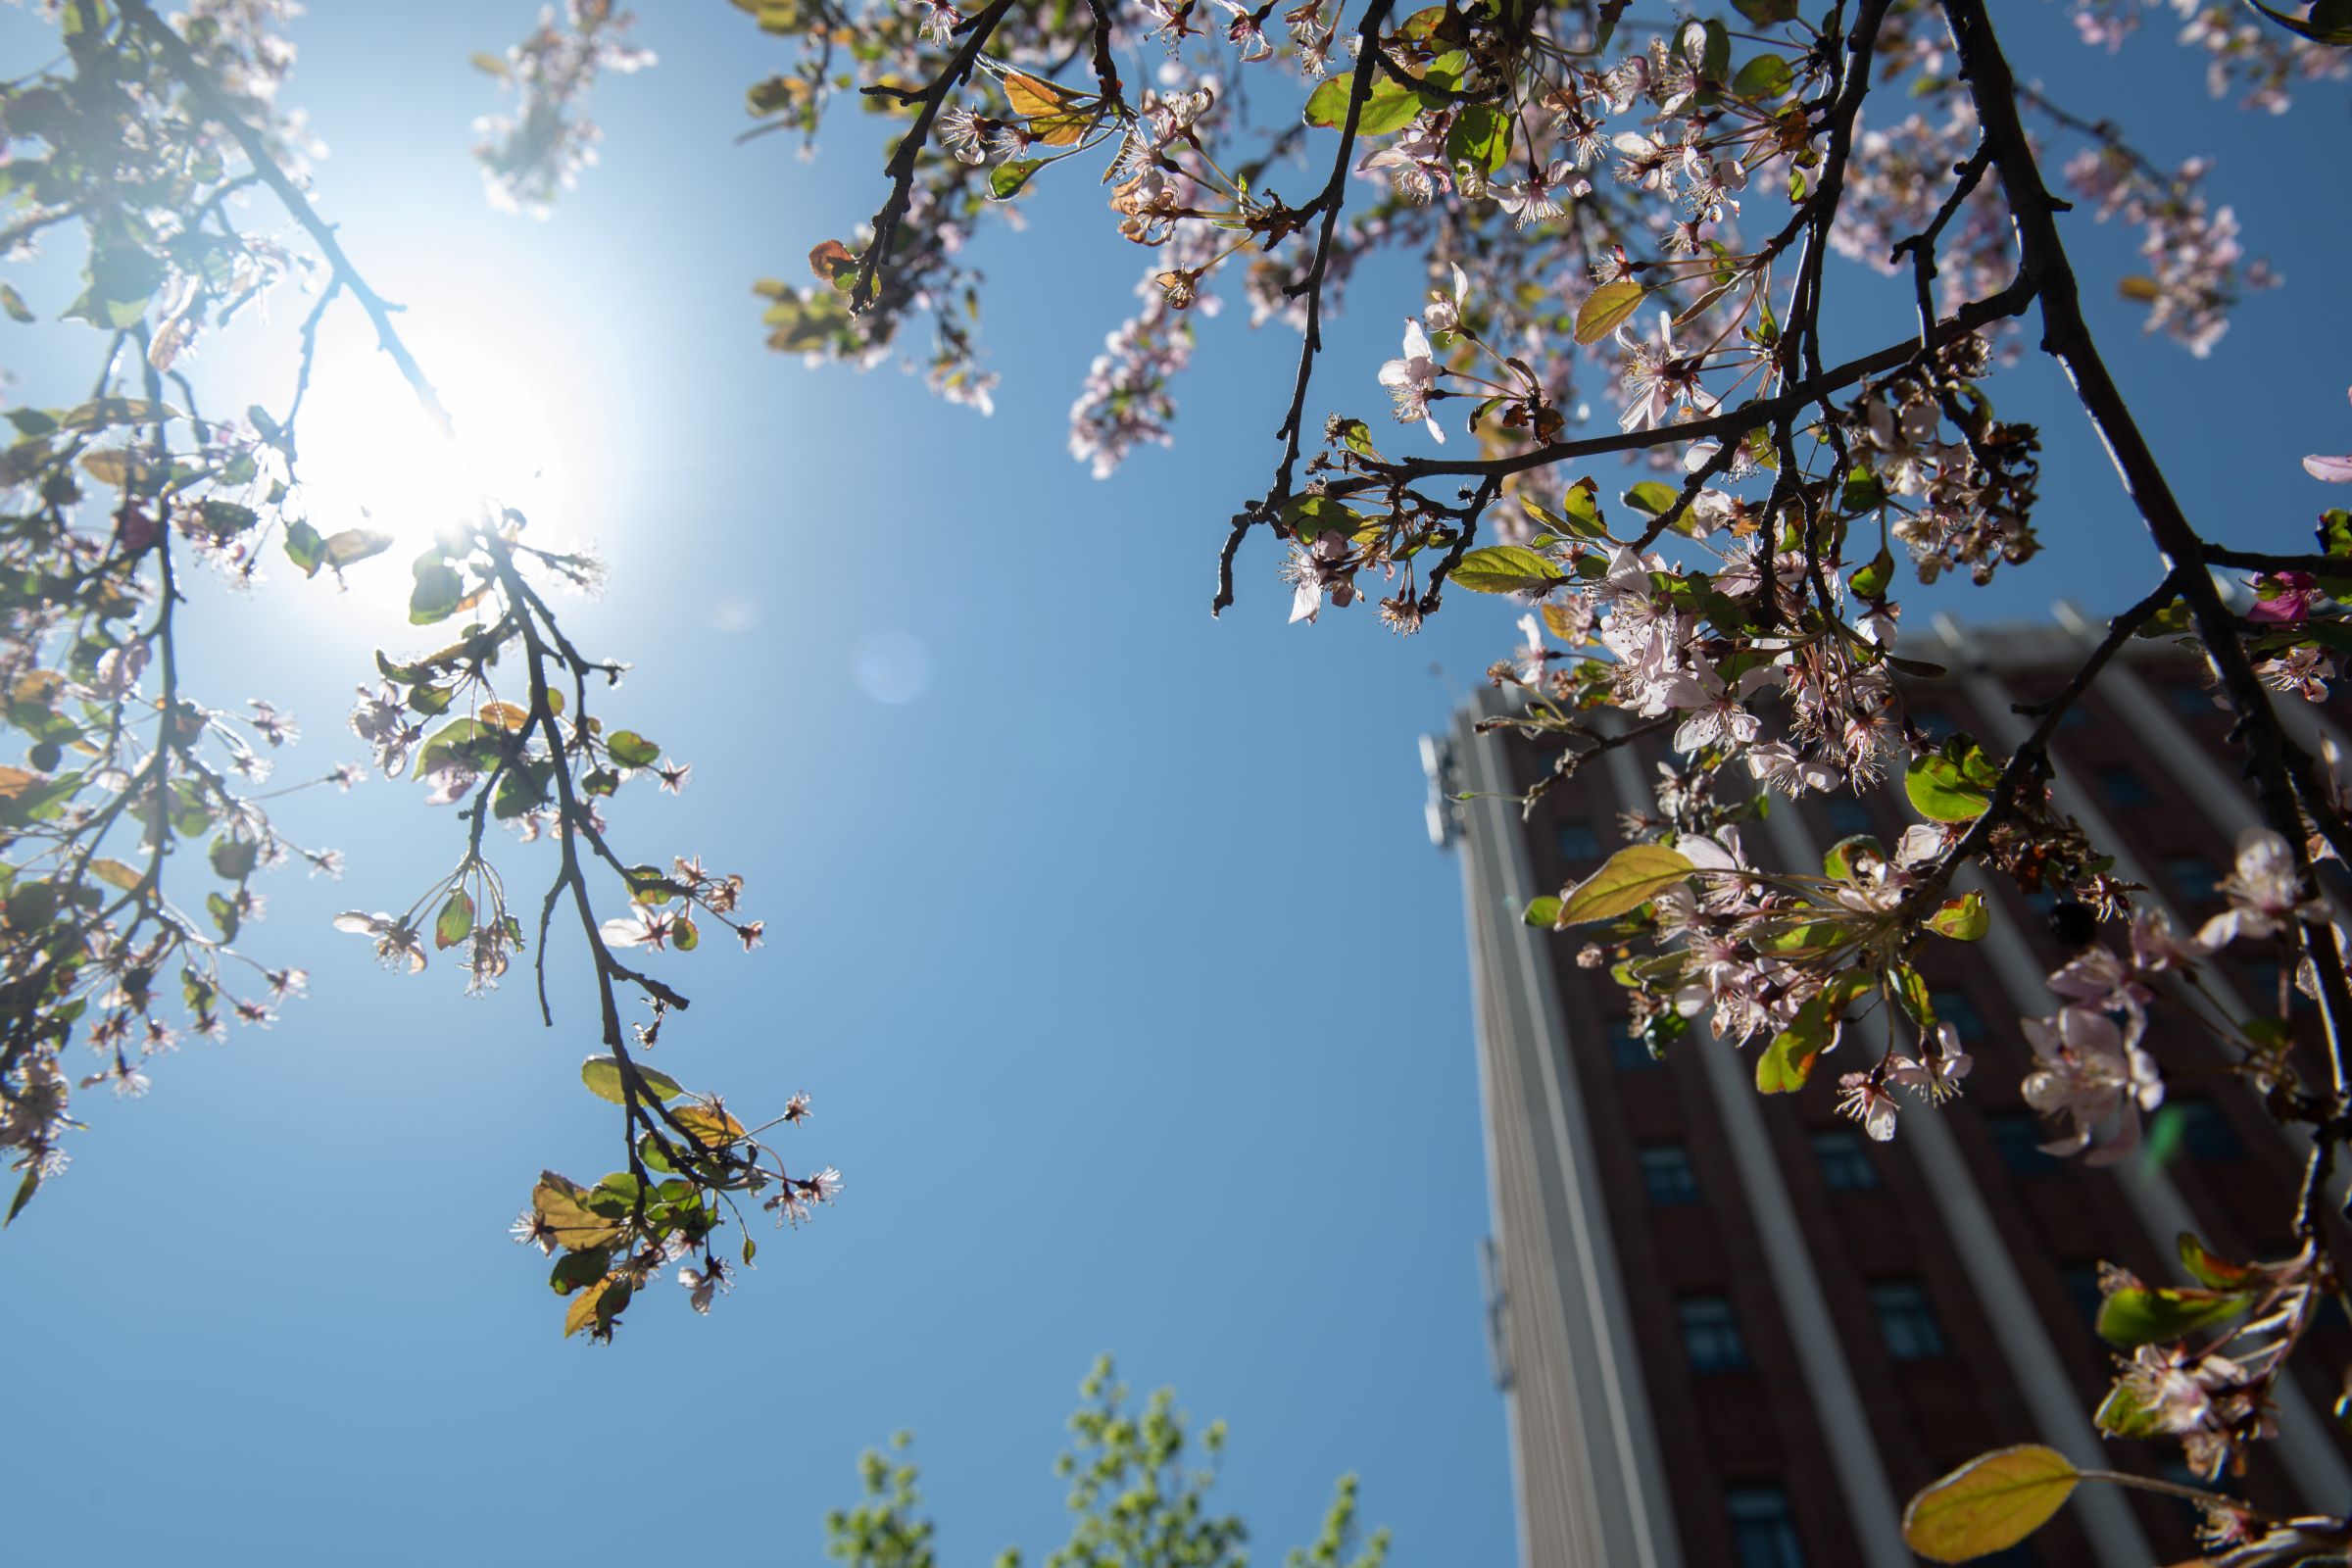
{"type": "Point", "coordinates": [1631, 1054]}
{"type": "Point", "coordinates": [2193, 877]}
{"type": "Point", "coordinates": [2190, 702]}
{"type": "Point", "coordinates": [1847, 816]}
{"type": "Point", "coordinates": [1907, 1321]}
{"type": "Point", "coordinates": [1763, 1534]}
{"type": "Point", "coordinates": [1959, 1009]}
{"type": "Point", "coordinates": [1711, 1335]}
{"type": "Point", "coordinates": [2082, 1289]}
{"type": "Point", "coordinates": [2197, 1126]}
{"type": "Point", "coordinates": [1579, 842]}
{"type": "Point", "coordinates": [1845, 1159]}
{"type": "Point", "coordinates": [2017, 1137]}
{"type": "Point", "coordinates": [2263, 987]}
{"type": "Point", "coordinates": [2123, 786]}
{"type": "Point", "coordinates": [1667, 1175]}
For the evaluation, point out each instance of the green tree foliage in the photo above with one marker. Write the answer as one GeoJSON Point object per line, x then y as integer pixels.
{"type": "Point", "coordinates": [1138, 1499]}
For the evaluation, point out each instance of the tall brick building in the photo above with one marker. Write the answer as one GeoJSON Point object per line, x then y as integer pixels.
{"type": "Point", "coordinates": [1734, 1330]}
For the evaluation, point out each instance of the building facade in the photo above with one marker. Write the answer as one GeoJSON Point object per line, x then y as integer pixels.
{"type": "Point", "coordinates": [1734, 1331]}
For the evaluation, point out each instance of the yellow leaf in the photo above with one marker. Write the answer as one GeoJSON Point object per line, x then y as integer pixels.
{"type": "Point", "coordinates": [1628, 880]}
{"type": "Point", "coordinates": [583, 1311]}
{"type": "Point", "coordinates": [14, 781]}
{"type": "Point", "coordinates": [1054, 114]}
{"type": "Point", "coordinates": [115, 872]}
{"type": "Point", "coordinates": [712, 1127]}
{"type": "Point", "coordinates": [1606, 307]}
{"type": "Point", "coordinates": [575, 1226]}
{"type": "Point", "coordinates": [502, 716]}
{"type": "Point", "coordinates": [1990, 1504]}
{"type": "Point", "coordinates": [1033, 95]}
{"type": "Point", "coordinates": [36, 686]}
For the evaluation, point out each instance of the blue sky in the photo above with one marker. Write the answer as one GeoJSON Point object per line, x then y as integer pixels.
{"type": "Point", "coordinates": [1130, 995]}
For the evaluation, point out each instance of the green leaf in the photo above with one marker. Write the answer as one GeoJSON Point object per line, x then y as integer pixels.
{"type": "Point", "coordinates": [1506, 568]}
{"type": "Point", "coordinates": [225, 915]}
{"type": "Point", "coordinates": [1990, 1504]}
{"type": "Point", "coordinates": [1765, 13]}
{"type": "Point", "coordinates": [575, 1269]}
{"type": "Point", "coordinates": [304, 548]}
{"type": "Point", "coordinates": [1839, 861]}
{"type": "Point", "coordinates": [2122, 1414]}
{"type": "Point", "coordinates": [24, 1191]}
{"type": "Point", "coordinates": [1625, 881]}
{"type": "Point", "coordinates": [1481, 136]}
{"type": "Point", "coordinates": [13, 304]}
{"type": "Point", "coordinates": [2210, 1269]}
{"type": "Point", "coordinates": [1910, 988]}
{"type": "Point", "coordinates": [1784, 1066]}
{"type": "Point", "coordinates": [602, 1075]}
{"type": "Point", "coordinates": [1607, 308]}
{"type": "Point", "coordinates": [234, 859]}
{"type": "Point", "coordinates": [628, 749]}
{"type": "Point", "coordinates": [1763, 78]}
{"type": "Point", "coordinates": [2151, 1314]}
{"type": "Point", "coordinates": [1963, 919]}
{"type": "Point", "coordinates": [1941, 793]}
{"type": "Point", "coordinates": [1542, 913]}
{"type": "Point", "coordinates": [1008, 181]}
{"type": "Point", "coordinates": [455, 923]}
{"type": "Point", "coordinates": [1388, 106]}
{"type": "Point", "coordinates": [1872, 580]}
{"type": "Point", "coordinates": [1580, 508]}
{"type": "Point", "coordinates": [439, 591]}
{"type": "Point", "coordinates": [1652, 499]}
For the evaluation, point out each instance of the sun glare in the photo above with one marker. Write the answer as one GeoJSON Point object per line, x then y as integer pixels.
{"type": "Point", "coordinates": [369, 455]}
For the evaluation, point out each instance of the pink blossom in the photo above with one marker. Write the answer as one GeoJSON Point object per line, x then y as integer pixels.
{"type": "Point", "coordinates": [2291, 603]}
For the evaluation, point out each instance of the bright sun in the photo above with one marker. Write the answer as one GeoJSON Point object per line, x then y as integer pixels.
{"type": "Point", "coordinates": [371, 458]}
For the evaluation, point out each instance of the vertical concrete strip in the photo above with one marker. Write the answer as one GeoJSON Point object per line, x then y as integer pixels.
{"type": "Point", "coordinates": [1619, 1510]}
{"type": "Point", "coordinates": [2304, 1445]}
{"type": "Point", "coordinates": [1870, 1502]}
{"type": "Point", "coordinates": [2040, 1377]}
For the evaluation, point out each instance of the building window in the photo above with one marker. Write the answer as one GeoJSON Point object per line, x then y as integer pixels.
{"type": "Point", "coordinates": [1630, 1052]}
{"type": "Point", "coordinates": [1579, 842]}
{"type": "Point", "coordinates": [1667, 1175]}
{"type": "Point", "coordinates": [2123, 787]}
{"type": "Point", "coordinates": [1763, 1531]}
{"type": "Point", "coordinates": [1844, 1160]}
{"type": "Point", "coordinates": [2082, 1289]}
{"type": "Point", "coordinates": [2076, 716]}
{"type": "Point", "coordinates": [2017, 1137]}
{"type": "Point", "coordinates": [2198, 1130]}
{"type": "Point", "coordinates": [1957, 1009]}
{"type": "Point", "coordinates": [2190, 702]}
{"type": "Point", "coordinates": [1906, 1322]}
{"type": "Point", "coordinates": [2193, 876]}
{"type": "Point", "coordinates": [2264, 979]}
{"type": "Point", "coordinates": [1711, 1335]}
{"type": "Point", "coordinates": [1846, 816]}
